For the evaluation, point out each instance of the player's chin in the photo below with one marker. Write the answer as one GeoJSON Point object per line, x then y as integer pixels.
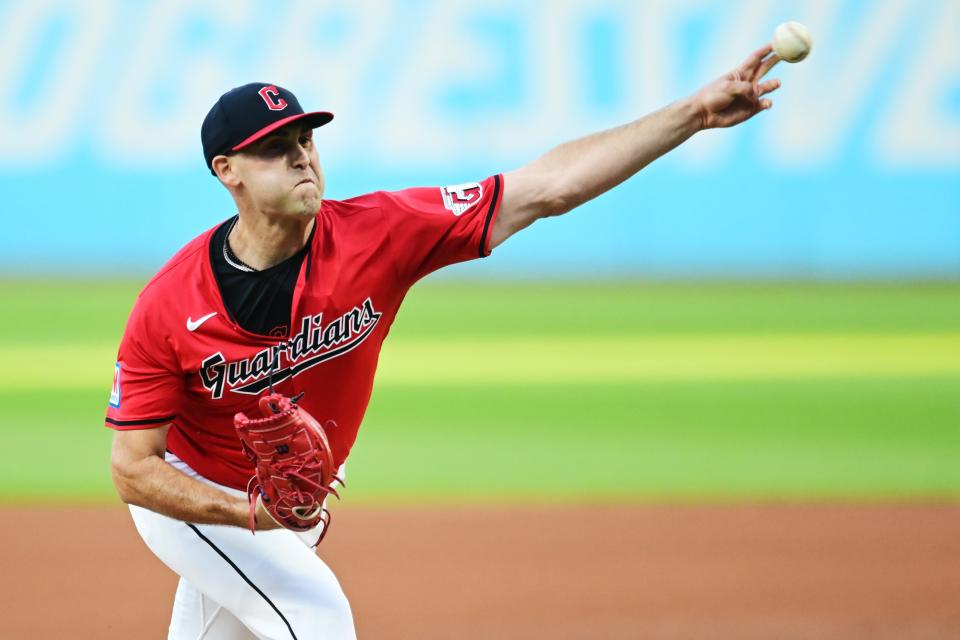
{"type": "Point", "coordinates": [306, 204]}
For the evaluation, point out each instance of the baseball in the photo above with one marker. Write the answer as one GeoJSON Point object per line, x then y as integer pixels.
{"type": "Point", "coordinates": [792, 41]}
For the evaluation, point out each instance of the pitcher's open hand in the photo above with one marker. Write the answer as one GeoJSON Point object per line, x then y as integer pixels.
{"type": "Point", "coordinates": [738, 95]}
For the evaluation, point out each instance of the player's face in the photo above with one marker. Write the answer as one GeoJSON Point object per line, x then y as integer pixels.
{"type": "Point", "coordinates": [280, 174]}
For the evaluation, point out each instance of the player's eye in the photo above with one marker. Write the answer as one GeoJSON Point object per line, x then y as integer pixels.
{"type": "Point", "coordinates": [274, 147]}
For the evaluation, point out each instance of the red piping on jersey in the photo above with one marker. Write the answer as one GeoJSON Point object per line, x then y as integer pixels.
{"type": "Point", "coordinates": [486, 223]}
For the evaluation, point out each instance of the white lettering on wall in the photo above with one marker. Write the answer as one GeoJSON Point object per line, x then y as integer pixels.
{"type": "Point", "coordinates": [70, 90]}
{"type": "Point", "coordinates": [135, 131]}
{"type": "Point", "coordinates": [919, 129]}
{"type": "Point", "coordinates": [825, 95]}
{"type": "Point", "coordinates": [445, 82]}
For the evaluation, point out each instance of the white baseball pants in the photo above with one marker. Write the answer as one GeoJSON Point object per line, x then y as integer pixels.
{"type": "Point", "coordinates": [239, 586]}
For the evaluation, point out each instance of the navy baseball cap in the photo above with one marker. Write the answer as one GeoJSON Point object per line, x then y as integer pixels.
{"type": "Point", "coordinates": [245, 114]}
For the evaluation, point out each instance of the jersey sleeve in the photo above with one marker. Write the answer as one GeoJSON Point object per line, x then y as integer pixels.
{"type": "Point", "coordinates": [432, 227]}
{"type": "Point", "coordinates": [147, 379]}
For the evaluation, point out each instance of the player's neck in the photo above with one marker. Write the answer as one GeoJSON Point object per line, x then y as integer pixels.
{"type": "Point", "coordinates": [262, 242]}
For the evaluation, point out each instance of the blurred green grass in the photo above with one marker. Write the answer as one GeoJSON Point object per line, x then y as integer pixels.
{"type": "Point", "coordinates": [566, 392]}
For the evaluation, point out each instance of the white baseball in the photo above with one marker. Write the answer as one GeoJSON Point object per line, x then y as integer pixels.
{"type": "Point", "coordinates": [792, 41]}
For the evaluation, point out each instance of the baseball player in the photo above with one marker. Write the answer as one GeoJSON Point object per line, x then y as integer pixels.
{"type": "Point", "coordinates": [271, 323]}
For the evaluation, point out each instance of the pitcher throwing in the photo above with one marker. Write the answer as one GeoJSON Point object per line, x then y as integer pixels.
{"type": "Point", "coordinates": [247, 362]}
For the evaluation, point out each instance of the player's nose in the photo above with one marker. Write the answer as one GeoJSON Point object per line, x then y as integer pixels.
{"type": "Point", "coordinates": [300, 159]}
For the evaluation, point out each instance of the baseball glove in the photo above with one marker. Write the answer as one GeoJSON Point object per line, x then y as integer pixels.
{"type": "Point", "coordinates": [293, 462]}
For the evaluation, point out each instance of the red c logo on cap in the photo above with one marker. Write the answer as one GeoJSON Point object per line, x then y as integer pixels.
{"type": "Point", "coordinates": [272, 97]}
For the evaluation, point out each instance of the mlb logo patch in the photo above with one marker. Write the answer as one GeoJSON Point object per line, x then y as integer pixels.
{"type": "Point", "coordinates": [460, 197]}
{"type": "Point", "coordinates": [115, 392]}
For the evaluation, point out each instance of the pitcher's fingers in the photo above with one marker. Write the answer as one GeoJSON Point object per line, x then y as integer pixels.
{"type": "Point", "coordinates": [749, 66]}
{"type": "Point", "coordinates": [766, 87]}
{"type": "Point", "coordinates": [766, 65]}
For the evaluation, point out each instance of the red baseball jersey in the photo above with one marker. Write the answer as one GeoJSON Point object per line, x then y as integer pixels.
{"type": "Point", "coordinates": [184, 361]}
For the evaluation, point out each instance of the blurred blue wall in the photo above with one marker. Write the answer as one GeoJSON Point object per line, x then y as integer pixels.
{"type": "Point", "coordinates": [854, 174]}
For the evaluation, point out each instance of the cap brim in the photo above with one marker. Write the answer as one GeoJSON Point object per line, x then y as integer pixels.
{"type": "Point", "coordinates": [313, 119]}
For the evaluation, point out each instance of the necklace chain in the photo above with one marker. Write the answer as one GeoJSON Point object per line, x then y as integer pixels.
{"type": "Point", "coordinates": [230, 256]}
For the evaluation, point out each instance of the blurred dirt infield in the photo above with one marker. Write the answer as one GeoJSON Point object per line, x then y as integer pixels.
{"type": "Point", "coordinates": [772, 571]}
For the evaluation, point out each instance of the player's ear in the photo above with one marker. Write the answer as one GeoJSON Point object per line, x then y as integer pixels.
{"type": "Point", "coordinates": [223, 168]}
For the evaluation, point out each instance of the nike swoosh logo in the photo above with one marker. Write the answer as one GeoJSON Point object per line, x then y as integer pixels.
{"type": "Point", "coordinates": [193, 325]}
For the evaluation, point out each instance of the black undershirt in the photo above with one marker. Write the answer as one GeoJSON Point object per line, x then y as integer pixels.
{"type": "Point", "coordinates": [258, 301]}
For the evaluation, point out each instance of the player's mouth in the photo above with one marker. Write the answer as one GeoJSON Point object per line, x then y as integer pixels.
{"type": "Point", "coordinates": [305, 181]}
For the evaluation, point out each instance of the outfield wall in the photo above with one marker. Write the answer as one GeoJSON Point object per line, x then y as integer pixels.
{"type": "Point", "coordinates": [855, 173]}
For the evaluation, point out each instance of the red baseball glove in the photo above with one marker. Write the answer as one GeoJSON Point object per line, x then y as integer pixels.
{"type": "Point", "coordinates": [293, 462]}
